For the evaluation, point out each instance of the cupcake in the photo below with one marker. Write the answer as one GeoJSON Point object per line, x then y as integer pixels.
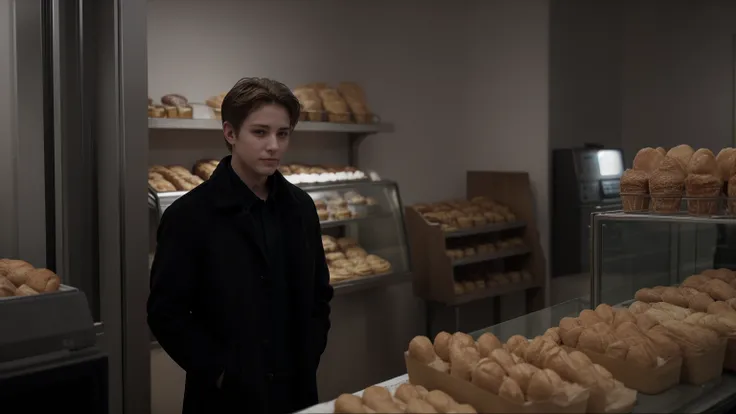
{"type": "Point", "coordinates": [635, 191]}
{"type": "Point", "coordinates": [666, 185]}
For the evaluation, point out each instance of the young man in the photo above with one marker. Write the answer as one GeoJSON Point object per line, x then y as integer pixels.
{"type": "Point", "coordinates": [239, 286]}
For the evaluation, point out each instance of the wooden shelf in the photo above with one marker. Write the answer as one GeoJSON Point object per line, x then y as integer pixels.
{"type": "Point", "coordinates": [303, 126]}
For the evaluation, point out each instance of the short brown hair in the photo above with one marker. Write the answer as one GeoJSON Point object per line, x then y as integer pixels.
{"type": "Point", "coordinates": [250, 94]}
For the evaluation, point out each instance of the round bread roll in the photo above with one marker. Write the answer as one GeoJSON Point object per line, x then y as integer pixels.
{"type": "Point", "coordinates": [682, 153]}
{"type": "Point", "coordinates": [628, 330]}
{"type": "Point", "coordinates": [380, 400]}
{"type": "Point", "coordinates": [725, 161]}
{"type": "Point", "coordinates": [725, 275]}
{"type": "Point", "coordinates": [442, 345]}
{"type": "Point", "coordinates": [645, 321]}
{"type": "Point", "coordinates": [597, 338]}
{"type": "Point", "coordinates": [419, 406]}
{"type": "Point", "coordinates": [517, 345]}
{"type": "Point", "coordinates": [488, 375]}
{"type": "Point", "coordinates": [621, 316]}
{"type": "Point", "coordinates": [617, 350]}
{"type": "Point", "coordinates": [440, 401]}
{"type": "Point", "coordinates": [696, 281]}
{"type": "Point", "coordinates": [43, 280]}
{"type": "Point", "coordinates": [461, 409]}
{"type": "Point", "coordinates": [605, 311]}
{"type": "Point", "coordinates": [421, 349]}
{"type": "Point", "coordinates": [648, 295]}
{"type": "Point", "coordinates": [511, 391]}
{"type": "Point", "coordinates": [543, 385]}
{"type": "Point", "coordinates": [647, 159]}
{"type": "Point", "coordinates": [704, 162]}
{"type": "Point", "coordinates": [462, 340]}
{"type": "Point", "coordinates": [349, 404]}
{"type": "Point", "coordinates": [522, 373]}
{"type": "Point", "coordinates": [662, 150]}
{"type": "Point", "coordinates": [676, 312]}
{"type": "Point", "coordinates": [718, 289]}
{"type": "Point", "coordinates": [487, 343]}
{"type": "Point", "coordinates": [553, 334]}
{"type": "Point", "coordinates": [462, 361]}
{"type": "Point", "coordinates": [407, 392]}
{"type": "Point", "coordinates": [719, 307]}
{"type": "Point", "coordinates": [700, 302]}
{"type": "Point", "coordinates": [16, 271]}
{"type": "Point", "coordinates": [589, 318]}
{"type": "Point", "coordinates": [538, 350]}
{"type": "Point", "coordinates": [692, 340]}
{"type": "Point", "coordinates": [570, 330]}
{"type": "Point", "coordinates": [638, 307]}
{"type": "Point", "coordinates": [642, 352]}
{"type": "Point", "coordinates": [503, 358]}
{"type": "Point", "coordinates": [672, 295]}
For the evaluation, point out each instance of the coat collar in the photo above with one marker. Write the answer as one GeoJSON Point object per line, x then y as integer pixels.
{"type": "Point", "coordinates": [231, 193]}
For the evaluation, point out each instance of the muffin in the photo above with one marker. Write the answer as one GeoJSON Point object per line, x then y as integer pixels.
{"type": "Point", "coordinates": [635, 191]}
{"type": "Point", "coordinates": [666, 185]}
{"type": "Point", "coordinates": [648, 159]}
{"type": "Point", "coordinates": [682, 153]}
{"type": "Point", "coordinates": [703, 184]}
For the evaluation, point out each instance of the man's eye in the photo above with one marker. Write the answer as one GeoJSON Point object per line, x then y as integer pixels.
{"type": "Point", "coordinates": [283, 134]}
{"type": "Point", "coordinates": [259, 132]}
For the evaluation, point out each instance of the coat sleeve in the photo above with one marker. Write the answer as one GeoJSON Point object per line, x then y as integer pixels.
{"type": "Point", "coordinates": [323, 291]}
{"type": "Point", "coordinates": [174, 283]}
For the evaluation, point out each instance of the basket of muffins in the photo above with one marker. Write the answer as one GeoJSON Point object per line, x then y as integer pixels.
{"type": "Point", "coordinates": [347, 260]}
{"type": "Point", "coordinates": [344, 206]}
{"type": "Point", "coordinates": [680, 181]}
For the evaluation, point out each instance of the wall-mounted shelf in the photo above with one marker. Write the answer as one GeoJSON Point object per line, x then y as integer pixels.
{"type": "Point", "coordinates": [303, 126]}
{"type": "Point", "coordinates": [491, 228]}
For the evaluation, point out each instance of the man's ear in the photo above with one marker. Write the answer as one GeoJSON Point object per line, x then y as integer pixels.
{"type": "Point", "coordinates": [230, 135]}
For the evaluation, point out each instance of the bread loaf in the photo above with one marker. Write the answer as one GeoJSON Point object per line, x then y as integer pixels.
{"type": "Point", "coordinates": [356, 100]}
{"type": "Point", "coordinates": [536, 351]}
{"type": "Point", "coordinates": [648, 295]}
{"type": "Point", "coordinates": [725, 275]}
{"type": "Point", "coordinates": [522, 373]}
{"type": "Point", "coordinates": [553, 334]}
{"type": "Point", "coordinates": [673, 296]}
{"type": "Point", "coordinates": [43, 280]}
{"type": "Point", "coordinates": [621, 316]}
{"type": "Point", "coordinates": [335, 105]}
{"type": "Point", "coordinates": [719, 307]}
{"type": "Point", "coordinates": [407, 392]}
{"type": "Point", "coordinates": [25, 290]}
{"type": "Point", "coordinates": [597, 338]}
{"type": "Point", "coordinates": [421, 349]}
{"type": "Point", "coordinates": [666, 348]}
{"type": "Point", "coordinates": [7, 288]}
{"type": "Point", "coordinates": [589, 318]}
{"type": "Point", "coordinates": [461, 339]}
{"type": "Point", "coordinates": [723, 326]}
{"type": "Point", "coordinates": [692, 340]}
{"type": "Point", "coordinates": [696, 281]}
{"type": "Point", "coordinates": [676, 312]}
{"type": "Point", "coordinates": [441, 402]}
{"type": "Point", "coordinates": [502, 358]}
{"type": "Point", "coordinates": [174, 99]}
{"type": "Point", "coordinates": [16, 271]}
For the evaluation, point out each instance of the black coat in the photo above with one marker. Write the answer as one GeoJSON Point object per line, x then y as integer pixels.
{"type": "Point", "coordinates": [207, 288]}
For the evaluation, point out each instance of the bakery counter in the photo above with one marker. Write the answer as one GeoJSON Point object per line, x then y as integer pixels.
{"type": "Point", "coordinates": [715, 396]}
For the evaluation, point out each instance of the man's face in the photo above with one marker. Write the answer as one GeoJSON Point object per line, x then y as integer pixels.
{"type": "Point", "coordinates": [262, 140]}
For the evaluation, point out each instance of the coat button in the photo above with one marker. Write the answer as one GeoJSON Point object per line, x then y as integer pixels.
{"type": "Point", "coordinates": [270, 376]}
{"type": "Point", "coordinates": [263, 277]}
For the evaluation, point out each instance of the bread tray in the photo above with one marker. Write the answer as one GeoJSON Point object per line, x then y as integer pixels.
{"type": "Point", "coordinates": [62, 288]}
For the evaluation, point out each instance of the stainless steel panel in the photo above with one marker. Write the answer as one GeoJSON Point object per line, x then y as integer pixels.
{"type": "Point", "coordinates": [8, 222]}
{"type": "Point", "coordinates": [29, 129]}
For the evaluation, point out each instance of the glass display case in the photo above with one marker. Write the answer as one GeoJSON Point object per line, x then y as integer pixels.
{"type": "Point", "coordinates": [633, 251]}
{"type": "Point", "coordinates": [359, 219]}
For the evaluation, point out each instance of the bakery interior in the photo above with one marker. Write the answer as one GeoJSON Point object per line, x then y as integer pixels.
{"type": "Point", "coordinates": [526, 206]}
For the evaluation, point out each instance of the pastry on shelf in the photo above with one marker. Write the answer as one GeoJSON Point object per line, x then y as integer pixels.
{"type": "Point", "coordinates": [465, 214]}
{"type": "Point", "coordinates": [178, 176]}
{"type": "Point", "coordinates": [346, 259]}
{"type": "Point", "coordinates": [312, 174]}
{"type": "Point", "coordinates": [355, 98]}
{"type": "Point", "coordinates": [204, 168]}
{"type": "Point", "coordinates": [335, 106]}
{"type": "Point", "coordinates": [311, 104]}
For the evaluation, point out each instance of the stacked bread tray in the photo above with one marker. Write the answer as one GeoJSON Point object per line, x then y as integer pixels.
{"type": "Point", "coordinates": [681, 181]}
{"type": "Point", "coordinates": [466, 250]}
{"type": "Point", "coordinates": [19, 278]}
